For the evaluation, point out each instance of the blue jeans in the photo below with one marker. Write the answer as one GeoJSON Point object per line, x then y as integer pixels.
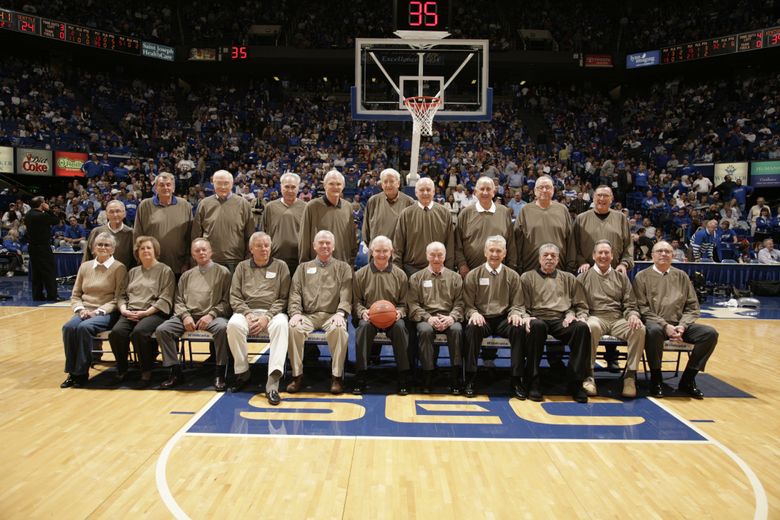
{"type": "Point", "coordinates": [77, 338]}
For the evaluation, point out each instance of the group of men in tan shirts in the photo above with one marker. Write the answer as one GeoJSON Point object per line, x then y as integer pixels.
{"type": "Point", "coordinates": [482, 276]}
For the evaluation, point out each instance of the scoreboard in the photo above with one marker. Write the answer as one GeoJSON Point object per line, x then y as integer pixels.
{"type": "Point", "coordinates": [80, 35]}
{"type": "Point", "coordinates": [722, 45]}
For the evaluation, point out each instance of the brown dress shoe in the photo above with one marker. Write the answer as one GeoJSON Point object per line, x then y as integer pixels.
{"type": "Point", "coordinates": [295, 385]}
{"type": "Point", "coordinates": [336, 386]}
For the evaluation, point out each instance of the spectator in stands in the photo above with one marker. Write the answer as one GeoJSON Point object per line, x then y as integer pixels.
{"type": "Point", "coordinates": [702, 185]}
{"type": "Point", "coordinates": [703, 242]}
{"type": "Point", "coordinates": [436, 307]}
{"type": "Point", "coordinates": [380, 280]}
{"type": "Point", "coordinates": [226, 220]}
{"type": "Point", "coordinates": [75, 235]}
{"type": "Point", "coordinates": [740, 193]}
{"type": "Point", "coordinates": [202, 303]}
{"type": "Point", "coordinates": [98, 287]}
{"type": "Point", "coordinates": [383, 209]}
{"type": "Point", "coordinates": [492, 303]}
{"type": "Point", "coordinates": [669, 307]}
{"type": "Point", "coordinates": [168, 219]}
{"type": "Point", "coordinates": [92, 168]}
{"type": "Point", "coordinates": [12, 217]}
{"type": "Point", "coordinates": [320, 298]}
{"type": "Point", "coordinates": [554, 303]}
{"type": "Point", "coordinates": [144, 303]}
{"type": "Point", "coordinates": [756, 212]}
{"type": "Point", "coordinates": [726, 240]}
{"type": "Point", "coordinates": [419, 225]}
{"type": "Point", "coordinates": [258, 296]}
{"type": "Point", "coordinates": [12, 250]}
{"type": "Point", "coordinates": [282, 220]}
{"type": "Point", "coordinates": [768, 254]}
{"type": "Point", "coordinates": [612, 310]}
{"type": "Point", "coordinates": [762, 225]}
{"type": "Point", "coordinates": [333, 213]}
{"type": "Point", "coordinates": [123, 235]}
{"type": "Point", "coordinates": [678, 253]}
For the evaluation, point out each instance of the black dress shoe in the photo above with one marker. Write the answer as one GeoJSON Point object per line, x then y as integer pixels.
{"type": "Point", "coordinates": [359, 388]}
{"type": "Point", "coordinates": [519, 392]}
{"type": "Point", "coordinates": [657, 390]}
{"type": "Point", "coordinates": [240, 382]}
{"type": "Point", "coordinates": [691, 389]}
{"type": "Point", "coordinates": [219, 383]}
{"type": "Point", "coordinates": [579, 395]}
{"type": "Point", "coordinates": [403, 388]}
{"type": "Point", "coordinates": [470, 390]}
{"type": "Point", "coordinates": [176, 378]}
{"type": "Point", "coordinates": [613, 366]}
{"type": "Point", "coordinates": [534, 394]}
{"type": "Point", "coordinates": [119, 378]}
{"type": "Point", "coordinates": [456, 388]}
{"type": "Point", "coordinates": [273, 397]}
{"type": "Point", "coordinates": [69, 382]}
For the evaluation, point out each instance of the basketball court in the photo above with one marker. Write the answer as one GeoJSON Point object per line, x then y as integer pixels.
{"type": "Point", "coordinates": [111, 453]}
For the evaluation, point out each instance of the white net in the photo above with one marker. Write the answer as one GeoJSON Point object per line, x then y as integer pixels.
{"type": "Point", "coordinates": [423, 109]}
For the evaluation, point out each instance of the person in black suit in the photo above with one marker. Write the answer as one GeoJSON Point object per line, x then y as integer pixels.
{"type": "Point", "coordinates": [39, 221]}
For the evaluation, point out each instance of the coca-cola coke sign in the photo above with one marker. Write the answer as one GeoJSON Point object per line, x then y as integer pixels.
{"type": "Point", "coordinates": [31, 161]}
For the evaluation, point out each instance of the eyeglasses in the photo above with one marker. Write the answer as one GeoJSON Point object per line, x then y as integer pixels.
{"type": "Point", "coordinates": [663, 251]}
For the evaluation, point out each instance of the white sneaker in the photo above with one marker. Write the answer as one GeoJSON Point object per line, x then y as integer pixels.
{"type": "Point", "coordinates": [589, 385]}
{"type": "Point", "coordinates": [629, 387]}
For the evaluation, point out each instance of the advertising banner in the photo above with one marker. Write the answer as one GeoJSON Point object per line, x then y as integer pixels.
{"type": "Point", "coordinates": [737, 170]}
{"type": "Point", "coordinates": [32, 161]}
{"type": "Point", "coordinates": [643, 59]}
{"type": "Point", "coordinates": [6, 159]}
{"type": "Point", "coordinates": [598, 60]}
{"type": "Point", "coordinates": [68, 164]}
{"type": "Point", "coordinates": [765, 174]}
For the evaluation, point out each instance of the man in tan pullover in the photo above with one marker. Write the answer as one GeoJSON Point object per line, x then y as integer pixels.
{"type": "Point", "coordinates": [667, 301]}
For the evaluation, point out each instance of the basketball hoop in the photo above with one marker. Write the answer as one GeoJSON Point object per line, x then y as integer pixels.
{"type": "Point", "coordinates": [422, 108]}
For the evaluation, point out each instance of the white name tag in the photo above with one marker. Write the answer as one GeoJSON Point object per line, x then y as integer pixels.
{"type": "Point", "coordinates": [427, 283]}
{"type": "Point", "coordinates": [270, 274]}
{"type": "Point", "coordinates": [311, 270]}
{"type": "Point", "coordinates": [484, 281]}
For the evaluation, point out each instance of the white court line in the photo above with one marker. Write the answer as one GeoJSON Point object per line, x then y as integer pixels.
{"type": "Point", "coordinates": [19, 313]}
{"type": "Point", "coordinates": [444, 439]}
{"type": "Point", "coordinates": [762, 507]}
{"type": "Point", "coordinates": [162, 461]}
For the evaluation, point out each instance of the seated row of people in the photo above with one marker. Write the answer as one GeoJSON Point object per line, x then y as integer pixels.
{"type": "Point", "coordinates": [324, 293]}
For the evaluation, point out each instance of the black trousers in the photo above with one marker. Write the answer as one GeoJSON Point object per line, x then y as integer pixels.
{"type": "Point", "coordinates": [523, 355]}
{"type": "Point", "coordinates": [140, 333]}
{"type": "Point", "coordinates": [364, 339]}
{"type": "Point", "coordinates": [576, 335]}
{"type": "Point", "coordinates": [703, 337]}
{"type": "Point", "coordinates": [428, 353]}
{"type": "Point", "coordinates": [43, 273]}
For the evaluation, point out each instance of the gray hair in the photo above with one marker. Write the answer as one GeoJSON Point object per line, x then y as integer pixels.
{"type": "Point", "coordinates": [165, 175]}
{"type": "Point", "coordinates": [222, 173]}
{"type": "Point", "coordinates": [549, 247]}
{"type": "Point", "coordinates": [426, 180]}
{"type": "Point", "coordinates": [392, 172]}
{"type": "Point", "coordinates": [495, 239]}
{"type": "Point", "coordinates": [326, 234]}
{"type": "Point", "coordinates": [257, 236]}
{"type": "Point", "coordinates": [434, 246]}
{"type": "Point", "coordinates": [485, 180]}
{"type": "Point", "coordinates": [290, 176]}
{"type": "Point", "coordinates": [105, 235]}
{"type": "Point", "coordinates": [333, 173]}
{"type": "Point", "coordinates": [380, 238]}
